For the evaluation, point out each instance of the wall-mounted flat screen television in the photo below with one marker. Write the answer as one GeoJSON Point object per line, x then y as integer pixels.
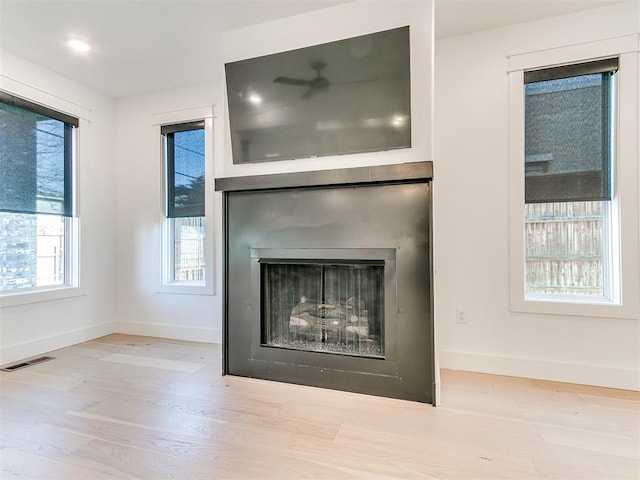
{"type": "Point", "coordinates": [342, 97]}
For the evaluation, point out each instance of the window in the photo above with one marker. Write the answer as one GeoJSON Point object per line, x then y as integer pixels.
{"type": "Point", "coordinates": [36, 196]}
{"type": "Point", "coordinates": [573, 205]}
{"type": "Point", "coordinates": [568, 140]}
{"type": "Point", "coordinates": [184, 249]}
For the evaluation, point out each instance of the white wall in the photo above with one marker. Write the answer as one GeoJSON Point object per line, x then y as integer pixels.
{"type": "Point", "coordinates": [28, 329]}
{"type": "Point", "coordinates": [471, 188]}
{"type": "Point", "coordinates": [141, 309]}
{"type": "Point", "coordinates": [143, 306]}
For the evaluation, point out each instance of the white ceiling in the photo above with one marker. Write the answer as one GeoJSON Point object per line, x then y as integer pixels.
{"type": "Point", "coordinates": [149, 45]}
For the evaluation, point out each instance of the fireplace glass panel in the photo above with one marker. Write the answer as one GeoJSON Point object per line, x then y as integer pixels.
{"type": "Point", "coordinates": [324, 306]}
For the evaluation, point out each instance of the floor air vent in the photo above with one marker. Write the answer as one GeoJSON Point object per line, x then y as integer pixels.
{"type": "Point", "coordinates": [26, 363]}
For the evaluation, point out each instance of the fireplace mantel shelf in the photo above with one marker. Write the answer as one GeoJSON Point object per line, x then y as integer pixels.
{"type": "Point", "coordinates": [400, 173]}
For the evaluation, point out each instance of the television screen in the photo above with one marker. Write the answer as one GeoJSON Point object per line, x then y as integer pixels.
{"type": "Point", "coordinates": [347, 96]}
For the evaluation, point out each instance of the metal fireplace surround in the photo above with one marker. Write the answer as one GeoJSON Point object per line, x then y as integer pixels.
{"type": "Point", "coordinates": [371, 215]}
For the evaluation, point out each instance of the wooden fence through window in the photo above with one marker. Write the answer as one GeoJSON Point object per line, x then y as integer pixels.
{"type": "Point", "coordinates": [564, 248]}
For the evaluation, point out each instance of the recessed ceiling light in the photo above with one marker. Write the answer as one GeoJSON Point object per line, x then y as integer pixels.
{"type": "Point", "coordinates": [77, 45]}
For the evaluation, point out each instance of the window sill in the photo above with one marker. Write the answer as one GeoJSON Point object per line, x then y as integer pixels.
{"type": "Point", "coordinates": [185, 288]}
{"type": "Point", "coordinates": [15, 299]}
{"type": "Point", "coordinates": [599, 308]}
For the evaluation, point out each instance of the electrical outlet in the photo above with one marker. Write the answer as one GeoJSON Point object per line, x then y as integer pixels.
{"type": "Point", "coordinates": [461, 316]}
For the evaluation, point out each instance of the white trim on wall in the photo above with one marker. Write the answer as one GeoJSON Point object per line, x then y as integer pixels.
{"type": "Point", "coordinates": [160, 330]}
{"type": "Point", "coordinates": [535, 368]}
{"type": "Point", "coordinates": [38, 346]}
{"type": "Point", "coordinates": [574, 53]}
{"type": "Point", "coordinates": [44, 97]}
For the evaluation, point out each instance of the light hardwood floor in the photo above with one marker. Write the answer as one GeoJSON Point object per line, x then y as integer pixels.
{"type": "Point", "coordinates": [124, 407]}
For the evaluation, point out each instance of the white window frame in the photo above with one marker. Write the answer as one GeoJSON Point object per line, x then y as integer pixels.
{"type": "Point", "coordinates": [166, 242]}
{"type": "Point", "coordinates": [624, 271]}
{"type": "Point", "coordinates": [71, 286]}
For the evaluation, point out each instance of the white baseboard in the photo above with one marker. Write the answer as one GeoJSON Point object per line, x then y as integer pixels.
{"type": "Point", "coordinates": [42, 345]}
{"type": "Point", "coordinates": [580, 373]}
{"type": "Point", "coordinates": [175, 332]}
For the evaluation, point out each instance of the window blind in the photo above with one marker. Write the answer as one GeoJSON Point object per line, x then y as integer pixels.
{"type": "Point", "coordinates": [36, 149]}
{"type": "Point", "coordinates": [185, 169]}
{"type": "Point", "coordinates": [568, 132]}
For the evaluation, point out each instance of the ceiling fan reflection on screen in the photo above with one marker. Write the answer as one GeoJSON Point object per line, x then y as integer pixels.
{"type": "Point", "coordinates": [317, 84]}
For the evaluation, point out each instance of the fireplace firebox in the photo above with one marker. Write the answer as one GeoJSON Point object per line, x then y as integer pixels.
{"type": "Point", "coordinates": [327, 279]}
{"type": "Point", "coordinates": [323, 306]}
